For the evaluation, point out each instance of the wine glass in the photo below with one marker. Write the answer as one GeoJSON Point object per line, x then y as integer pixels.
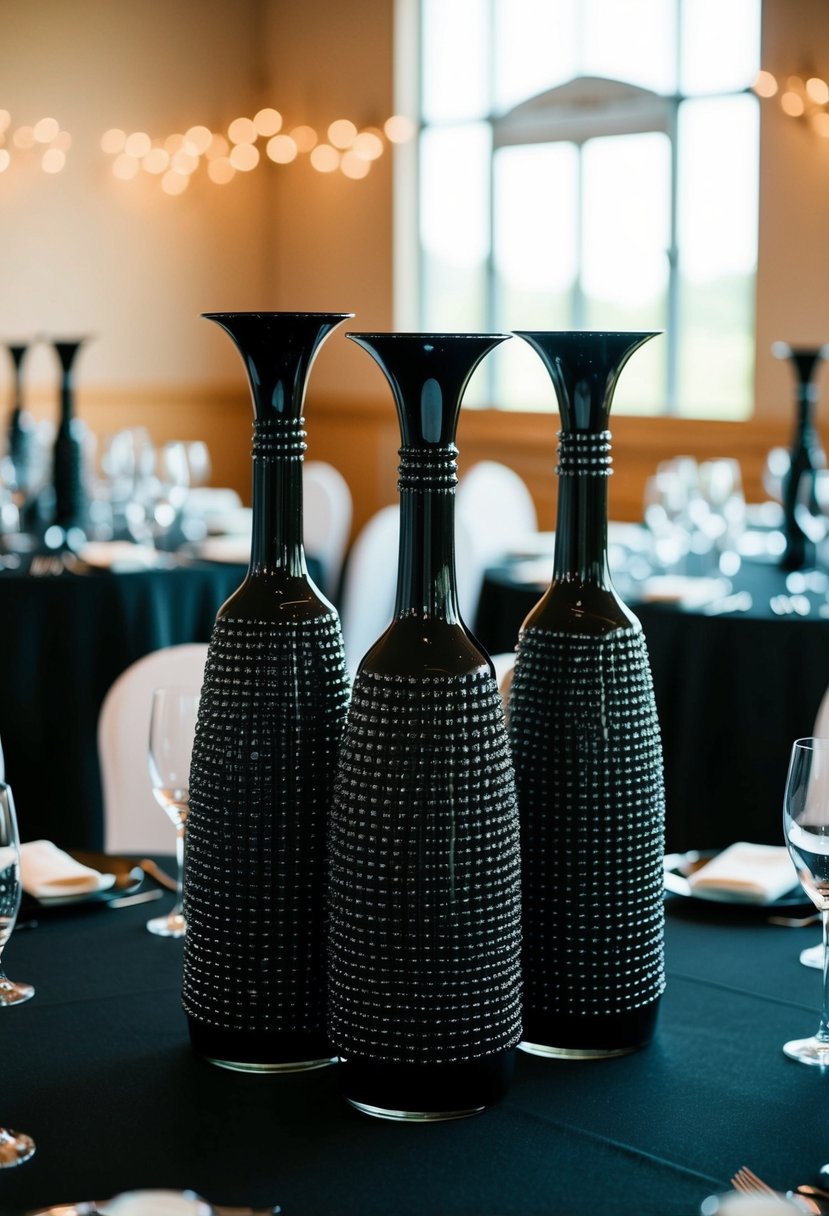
{"type": "Point", "coordinates": [806, 831]}
{"type": "Point", "coordinates": [10, 892]}
{"type": "Point", "coordinates": [172, 729]}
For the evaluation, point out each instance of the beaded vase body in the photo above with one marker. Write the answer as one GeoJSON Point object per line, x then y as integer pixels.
{"type": "Point", "coordinates": [587, 752]}
{"type": "Point", "coordinates": [71, 498]}
{"type": "Point", "coordinates": [805, 455]}
{"type": "Point", "coordinates": [270, 722]}
{"type": "Point", "coordinates": [425, 909]}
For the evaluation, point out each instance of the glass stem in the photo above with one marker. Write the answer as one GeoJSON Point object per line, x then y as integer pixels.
{"type": "Point", "coordinates": [180, 828]}
{"type": "Point", "coordinates": [823, 1030]}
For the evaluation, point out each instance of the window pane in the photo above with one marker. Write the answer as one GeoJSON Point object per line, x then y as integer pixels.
{"type": "Point", "coordinates": [454, 226]}
{"type": "Point", "coordinates": [634, 41]}
{"type": "Point", "coordinates": [535, 256]}
{"type": "Point", "coordinates": [535, 48]}
{"type": "Point", "coordinates": [720, 45]}
{"type": "Point", "coordinates": [717, 222]}
{"type": "Point", "coordinates": [455, 60]}
{"type": "Point", "coordinates": [626, 236]}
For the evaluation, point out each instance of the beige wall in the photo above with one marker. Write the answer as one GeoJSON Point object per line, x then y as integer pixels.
{"type": "Point", "coordinates": [82, 252]}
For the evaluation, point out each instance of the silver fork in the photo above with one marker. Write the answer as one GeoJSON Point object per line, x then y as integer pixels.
{"type": "Point", "coordinates": [747, 1183]}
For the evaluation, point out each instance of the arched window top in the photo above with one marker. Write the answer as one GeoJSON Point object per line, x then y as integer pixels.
{"type": "Point", "coordinates": [582, 108]}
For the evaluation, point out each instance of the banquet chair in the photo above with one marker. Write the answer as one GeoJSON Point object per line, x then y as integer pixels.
{"type": "Point", "coordinates": [497, 510]}
{"type": "Point", "coordinates": [327, 520]}
{"type": "Point", "coordinates": [133, 821]}
{"type": "Point", "coordinates": [820, 730]}
{"type": "Point", "coordinates": [2, 764]}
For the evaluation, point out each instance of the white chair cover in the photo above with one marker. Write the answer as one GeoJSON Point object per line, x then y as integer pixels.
{"type": "Point", "coordinates": [369, 584]}
{"type": "Point", "coordinates": [327, 520]}
{"type": "Point", "coordinates": [133, 820]}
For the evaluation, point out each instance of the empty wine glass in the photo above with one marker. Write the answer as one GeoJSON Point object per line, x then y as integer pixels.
{"type": "Point", "coordinates": [172, 728]}
{"type": "Point", "coordinates": [11, 993]}
{"type": "Point", "coordinates": [806, 831]}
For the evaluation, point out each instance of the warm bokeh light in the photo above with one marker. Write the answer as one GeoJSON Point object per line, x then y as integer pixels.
{"type": "Point", "coordinates": [792, 104]}
{"type": "Point", "coordinates": [125, 167]}
{"type": "Point", "coordinates": [53, 160]}
{"type": "Point", "coordinates": [45, 130]}
{"type": "Point", "coordinates": [63, 141]}
{"type": "Point", "coordinates": [341, 133]}
{"type": "Point", "coordinates": [795, 84]}
{"type": "Point", "coordinates": [304, 137]}
{"type": "Point", "coordinates": [368, 145]}
{"type": "Point", "coordinates": [197, 140]}
{"type": "Point", "coordinates": [5, 160]}
{"type": "Point", "coordinates": [399, 128]}
{"type": "Point", "coordinates": [220, 170]}
{"type": "Point", "coordinates": [244, 157]}
{"type": "Point", "coordinates": [174, 183]}
{"type": "Point", "coordinates": [217, 147]}
{"type": "Point", "coordinates": [354, 165]}
{"type": "Point", "coordinates": [242, 131]}
{"type": "Point", "coordinates": [818, 90]}
{"type": "Point", "coordinates": [173, 143]}
{"type": "Point", "coordinates": [138, 144]}
{"type": "Point", "coordinates": [267, 121]}
{"type": "Point", "coordinates": [765, 84]}
{"type": "Point", "coordinates": [820, 123]}
{"type": "Point", "coordinates": [281, 149]}
{"type": "Point", "coordinates": [156, 160]}
{"type": "Point", "coordinates": [113, 140]}
{"type": "Point", "coordinates": [325, 159]}
{"type": "Point", "coordinates": [24, 137]}
{"type": "Point", "coordinates": [184, 162]}
{"type": "Point", "coordinates": [5, 119]}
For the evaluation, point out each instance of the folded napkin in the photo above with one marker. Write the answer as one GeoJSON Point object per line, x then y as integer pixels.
{"type": "Point", "coordinates": [756, 873]}
{"type": "Point", "coordinates": [47, 872]}
{"type": "Point", "coordinates": [234, 549]}
{"type": "Point", "coordinates": [118, 555]}
{"type": "Point", "coordinates": [682, 589]}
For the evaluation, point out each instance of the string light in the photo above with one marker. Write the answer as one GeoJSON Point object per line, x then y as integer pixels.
{"type": "Point", "coordinates": [806, 100]}
{"type": "Point", "coordinates": [245, 144]}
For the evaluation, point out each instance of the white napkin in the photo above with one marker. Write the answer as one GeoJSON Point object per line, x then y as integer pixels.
{"type": "Point", "coordinates": [118, 555]}
{"type": "Point", "coordinates": [682, 589]}
{"type": "Point", "coordinates": [225, 549]}
{"type": "Point", "coordinates": [756, 873]}
{"type": "Point", "coordinates": [47, 872]}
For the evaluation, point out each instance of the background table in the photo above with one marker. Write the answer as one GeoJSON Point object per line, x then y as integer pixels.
{"type": "Point", "coordinates": [98, 1068]}
{"type": "Point", "coordinates": [63, 641]}
{"type": "Point", "coordinates": [732, 692]}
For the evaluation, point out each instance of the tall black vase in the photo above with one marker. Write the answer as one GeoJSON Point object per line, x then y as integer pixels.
{"type": "Point", "coordinates": [71, 500]}
{"type": "Point", "coordinates": [587, 752]}
{"type": "Point", "coordinates": [424, 906]}
{"type": "Point", "coordinates": [270, 721]}
{"type": "Point", "coordinates": [805, 454]}
{"type": "Point", "coordinates": [20, 436]}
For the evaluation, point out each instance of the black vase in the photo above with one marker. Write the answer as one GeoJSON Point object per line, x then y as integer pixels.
{"type": "Point", "coordinates": [20, 437]}
{"type": "Point", "coordinates": [424, 1002]}
{"type": "Point", "coordinates": [71, 499]}
{"type": "Point", "coordinates": [587, 752]}
{"type": "Point", "coordinates": [270, 720]}
{"type": "Point", "coordinates": [805, 455]}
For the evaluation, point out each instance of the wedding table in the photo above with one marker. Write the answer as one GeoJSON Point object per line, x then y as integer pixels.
{"type": "Point", "coordinates": [733, 691]}
{"type": "Point", "coordinates": [98, 1069]}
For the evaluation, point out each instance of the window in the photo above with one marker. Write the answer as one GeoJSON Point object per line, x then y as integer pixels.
{"type": "Point", "coordinates": [590, 164]}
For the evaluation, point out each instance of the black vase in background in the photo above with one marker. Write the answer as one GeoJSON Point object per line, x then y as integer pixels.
{"type": "Point", "coordinates": [20, 438]}
{"type": "Point", "coordinates": [71, 501]}
{"type": "Point", "coordinates": [270, 720]}
{"type": "Point", "coordinates": [805, 454]}
{"type": "Point", "coordinates": [587, 752]}
{"type": "Point", "coordinates": [424, 1000]}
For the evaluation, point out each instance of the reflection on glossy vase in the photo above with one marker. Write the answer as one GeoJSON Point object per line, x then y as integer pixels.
{"type": "Point", "coordinates": [805, 455]}
{"type": "Point", "coordinates": [270, 720]}
{"type": "Point", "coordinates": [424, 908]}
{"type": "Point", "coordinates": [587, 751]}
{"type": "Point", "coordinates": [71, 503]}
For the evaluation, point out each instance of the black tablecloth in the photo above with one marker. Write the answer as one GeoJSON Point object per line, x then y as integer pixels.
{"type": "Point", "coordinates": [733, 692]}
{"type": "Point", "coordinates": [63, 641]}
{"type": "Point", "coordinates": [97, 1067]}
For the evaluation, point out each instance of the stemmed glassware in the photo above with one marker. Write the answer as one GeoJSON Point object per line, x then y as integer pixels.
{"type": "Point", "coordinates": [806, 831]}
{"type": "Point", "coordinates": [172, 730]}
{"type": "Point", "coordinates": [15, 1147]}
{"type": "Point", "coordinates": [11, 993]}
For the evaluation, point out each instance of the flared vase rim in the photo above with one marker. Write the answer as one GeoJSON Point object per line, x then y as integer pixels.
{"type": "Point", "coordinates": [786, 350]}
{"type": "Point", "coordinates": [587, 333]}
{"type": "Point", "coordinates": [424, 335]}
{"type": "Point", "coordinates": [258, 312]}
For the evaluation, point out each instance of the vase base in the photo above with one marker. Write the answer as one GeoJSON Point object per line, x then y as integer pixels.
{"type": "Point", "coordinates": [588, 1037]}
{"type": "Point", "coordinates": [289, 1066]}
{"type": "Point", "coordinates": [574, 1053]}
{"type": "Point", "coordinates": [414, 1116]}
